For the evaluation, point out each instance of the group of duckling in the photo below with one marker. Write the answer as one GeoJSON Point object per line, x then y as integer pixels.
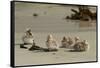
{"type": "Point", "coordinates": [75, 45]}
{"type": "Point", "coordinates": [67, 42]}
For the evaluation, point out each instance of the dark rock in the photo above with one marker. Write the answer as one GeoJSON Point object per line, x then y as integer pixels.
{"type": "Point", "coordinates": [83, 13]}
{"type": "Point", "coordinates": [35, 14]}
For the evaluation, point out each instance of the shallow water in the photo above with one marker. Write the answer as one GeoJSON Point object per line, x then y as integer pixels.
{"type": "Point", "coordinates": [51, 18]}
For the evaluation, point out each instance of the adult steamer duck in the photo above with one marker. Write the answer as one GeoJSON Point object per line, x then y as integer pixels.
{"type": "Point", "coordinates": [27, 38]}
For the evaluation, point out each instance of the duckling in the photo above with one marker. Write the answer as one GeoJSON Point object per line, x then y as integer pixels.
{"type": "Point", "coordinates": [85, 45]}
{"type": "Point", "coordinates": [64, 42]}
{"type": "Point", "coordinates": [27, 38]}
{"type": "Point", "coordinates": [77, 44]}
{"type": "Point", "coordinates": [51, 43]}
{"type": "Point", "coordinates": [70, 42]}
{"type": "Point", "coordinates": [81, 46]}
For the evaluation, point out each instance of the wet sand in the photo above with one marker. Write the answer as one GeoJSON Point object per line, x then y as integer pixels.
{"type": "Point", "coordinates": [50, 21]}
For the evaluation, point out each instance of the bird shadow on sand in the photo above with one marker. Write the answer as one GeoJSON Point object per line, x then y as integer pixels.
{"type": "Point", "coordinates": [37, 51]}
{"type": "Point", "coordinates": [18, 43]}
{"type": "Point", "coordinates": [74, 51]}
{"type": "Point", "coordinates": [52, 51]}
{"type": "Point", "coordinates": [42, 51]}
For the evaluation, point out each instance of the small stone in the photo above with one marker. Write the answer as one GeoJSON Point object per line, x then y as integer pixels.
{"type": "Point", "coordinates": [53, 53]}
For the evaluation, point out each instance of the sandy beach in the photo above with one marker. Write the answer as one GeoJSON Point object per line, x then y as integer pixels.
{"type": "Point", "coordinates": [50, 20]}
{"type": "Point", "coordinates": [25, 57]}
